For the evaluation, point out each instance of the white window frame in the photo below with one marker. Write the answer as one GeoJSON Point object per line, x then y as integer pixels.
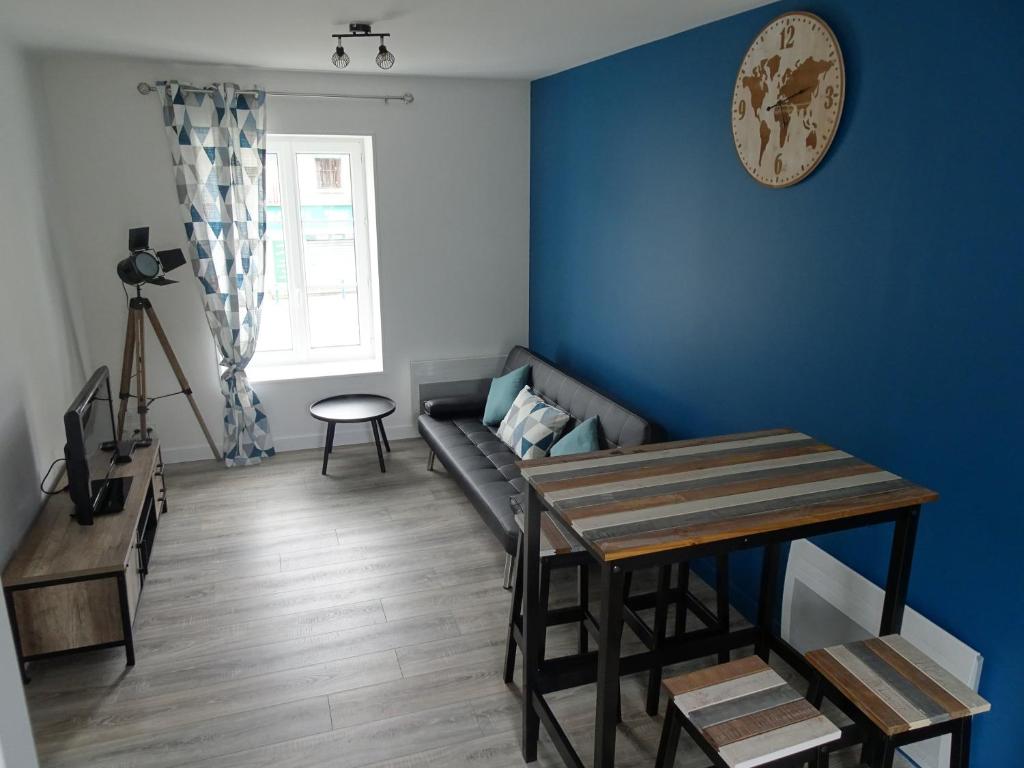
{"type": "Point", "coordinates": [304, 361]}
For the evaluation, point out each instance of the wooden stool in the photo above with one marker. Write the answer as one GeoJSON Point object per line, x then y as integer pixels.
{"type": "Point", "coordinates": [560, 550]}
{"type": "Point", "coordinates": [743, 714]}
{"type": "Point", "coordinates": [898, 695]}
{"type": "Point", "coordinates": [557, 550]}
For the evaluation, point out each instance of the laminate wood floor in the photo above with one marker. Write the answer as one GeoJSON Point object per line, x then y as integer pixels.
{"type": "Point", "coordinates": [297, 620]}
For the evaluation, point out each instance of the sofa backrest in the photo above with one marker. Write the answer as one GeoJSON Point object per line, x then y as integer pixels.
{"type": "Point", "coordinates": [619, 426]}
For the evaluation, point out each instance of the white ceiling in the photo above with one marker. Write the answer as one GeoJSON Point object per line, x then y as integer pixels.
{"type": "Point", "coordinates": [475, 38]}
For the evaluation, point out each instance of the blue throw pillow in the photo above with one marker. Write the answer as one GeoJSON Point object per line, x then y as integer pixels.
{"type": "Point", "coordinates": [502, 393]}
{"type": "Point", "coordinates": [583, 439]}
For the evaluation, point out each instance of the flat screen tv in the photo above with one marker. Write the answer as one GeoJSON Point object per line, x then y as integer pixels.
{"type": "Point", "coordinates": [91, 451]}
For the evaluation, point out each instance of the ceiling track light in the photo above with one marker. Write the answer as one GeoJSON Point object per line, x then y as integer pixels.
{"type": "Point", "coordinates": [385, 58]}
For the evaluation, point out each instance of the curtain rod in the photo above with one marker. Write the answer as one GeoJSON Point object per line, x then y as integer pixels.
{"type": "Point", "coordinates": [405, 98]}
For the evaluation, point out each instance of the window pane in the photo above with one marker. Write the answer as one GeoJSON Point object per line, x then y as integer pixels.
{"type": "Point", "coordinates": [276, 321]}
{"type": "Point", "coordinates": [329, 248]}
{"type": "Point", "coordinates": [334, 319]}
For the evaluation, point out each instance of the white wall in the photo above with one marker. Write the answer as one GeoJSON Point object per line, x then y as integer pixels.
{"type": "Point", "coordinates": [453, 203]}
{"type": "Point", "coordinates": [40, 367]}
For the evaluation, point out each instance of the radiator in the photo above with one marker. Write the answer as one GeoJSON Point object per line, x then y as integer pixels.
{"type": "Point", "coordinates": [456, 376]}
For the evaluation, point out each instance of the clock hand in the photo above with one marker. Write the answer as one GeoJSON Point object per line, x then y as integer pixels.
{"type": "Point", "coordinates": [787, 99]}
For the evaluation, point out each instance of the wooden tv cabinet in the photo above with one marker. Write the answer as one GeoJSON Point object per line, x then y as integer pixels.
{"type": "Point", "coordinates": [72, 587]}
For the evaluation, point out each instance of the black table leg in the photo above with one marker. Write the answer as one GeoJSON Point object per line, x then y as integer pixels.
{"type": "Point", "coordinates": [660, 622]}
{"type": "Point", "coordinates": [328, 446]}
{"type": "Point", "coordinates": [900, 560]}
{"type": "Point", "coordinates": [531, 629]}
{"type": "Point", "coordinates": [384, 435]}
{"type": "Point", "coordinates": [766, 602]}
{"type": "Point", "coordinates": [722, 600]}
{"type": "Point", "coordinates": [376, 439]}
{"type": "Point", "coordinates": [612, 593]}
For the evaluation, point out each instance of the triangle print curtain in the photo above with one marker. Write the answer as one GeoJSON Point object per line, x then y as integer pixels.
{"type": "Point", "coordinates": [217, 137]}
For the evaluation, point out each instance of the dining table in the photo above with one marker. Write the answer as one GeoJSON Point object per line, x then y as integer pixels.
{"type": "Point", "coordinates": [656, 505]}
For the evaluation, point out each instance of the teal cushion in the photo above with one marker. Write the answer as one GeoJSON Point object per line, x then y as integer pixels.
{"type": "Point", "coordinates": [583, 439]}
{"type": "Point", "coordinates": [502, 393]}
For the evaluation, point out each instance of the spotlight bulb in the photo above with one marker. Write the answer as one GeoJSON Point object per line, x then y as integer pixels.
{"type": "Point", "coordinates": [385, 58]}
{"type": "Point", "coordinates": [340, 59]}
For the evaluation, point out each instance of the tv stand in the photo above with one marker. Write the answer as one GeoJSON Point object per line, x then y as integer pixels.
{"type": "Point", "coordinates": [71, 588]}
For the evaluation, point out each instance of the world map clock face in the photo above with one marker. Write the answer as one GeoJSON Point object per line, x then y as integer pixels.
{"type": "Point", "coordinates": [788, 99]}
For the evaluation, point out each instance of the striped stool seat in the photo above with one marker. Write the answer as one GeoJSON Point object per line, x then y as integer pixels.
{"type": "Point", "coordinates": [743, 714]}
{"type": "Point", "coordinates": [553, 538]}
{"type": "Point", "coordinates": [902, 694]}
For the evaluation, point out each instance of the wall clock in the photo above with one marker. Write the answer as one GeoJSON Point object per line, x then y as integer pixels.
{"type": "Point", "coordinates": [788, 99]}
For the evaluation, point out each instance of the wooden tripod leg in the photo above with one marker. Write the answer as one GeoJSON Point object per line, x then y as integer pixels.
{"type": "Point", "coordinates": [180, 375]}
{"type": "Point", "coordinates": [140, 374]}
{"type": "Point", "coordinates": [126, 373]}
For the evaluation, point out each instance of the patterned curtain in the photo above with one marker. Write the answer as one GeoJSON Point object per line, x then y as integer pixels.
{"type": "Point", "coordinates": [218, 146]}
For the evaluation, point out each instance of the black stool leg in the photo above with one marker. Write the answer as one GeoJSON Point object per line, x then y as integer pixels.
{"type": "Point", "coordinates": [513, 616]}
{"type": "Point", "coordinates": [669, 738]}
{"type": "Point", "coordinates": [821, 758]}
{"type": "Point", "coordinates": [683, 586]}
{"type": "Point", "coordinates": [960, 754]}
{"type": "Point", "coordinates": [328, 446]}
{"type": "Point", "coordinates": [722, 599]}
{"type": "Point", "coordinates": [583, 596]}
{"type": "Point", "coordinates": [816, 691]}
{"type": "Point", "coordinates": [660, 620]}
{"type": "Point", "coordinates": [888, 753]}
{"type": "Point", "coordinates": [376, 439]}
{"type": "Point", "coordinates": [384, 435]}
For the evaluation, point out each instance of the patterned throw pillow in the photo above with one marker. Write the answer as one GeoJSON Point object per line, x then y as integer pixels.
{"type": "Point", "coordinates": [531, 426]}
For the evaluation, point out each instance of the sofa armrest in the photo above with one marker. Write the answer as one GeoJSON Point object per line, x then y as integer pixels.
{"type": "Point", "coordinates": [450, 407]}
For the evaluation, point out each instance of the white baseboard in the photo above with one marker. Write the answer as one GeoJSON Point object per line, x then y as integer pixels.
{"type": "Point", "coordinates": [825, 602]}
{"type": "Point", "coordinates": [344, 434]}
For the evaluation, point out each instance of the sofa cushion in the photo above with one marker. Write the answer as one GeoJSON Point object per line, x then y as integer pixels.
{"type": "Point", "coordinates": [531, 426]}
{"type": "Point", "coordinates": [583, 439]}
{"type": "Point", "coordinates": [503, 392]}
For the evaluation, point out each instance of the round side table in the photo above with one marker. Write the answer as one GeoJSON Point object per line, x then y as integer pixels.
{"type": "Point", "coordinates": [348, 409]}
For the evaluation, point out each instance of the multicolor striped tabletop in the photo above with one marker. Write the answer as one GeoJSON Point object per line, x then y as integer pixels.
{"type": "Point", "coordinates": [896, 685]}
{"type": "Point", "coordinates": [657, 497]}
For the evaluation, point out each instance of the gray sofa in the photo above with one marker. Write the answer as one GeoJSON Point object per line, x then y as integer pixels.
{"type": "Point", "coordinates": [485, 468]}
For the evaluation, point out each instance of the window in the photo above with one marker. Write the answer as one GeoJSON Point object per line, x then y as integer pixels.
{"type": "Point", "coordinates": [321, 313]}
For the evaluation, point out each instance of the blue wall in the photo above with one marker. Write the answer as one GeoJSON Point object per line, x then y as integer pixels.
{"type": "Point", "coordinates": [879, 305]}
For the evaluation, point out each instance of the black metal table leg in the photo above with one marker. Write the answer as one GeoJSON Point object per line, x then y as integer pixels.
{"type": "Point", "coordinates": [682, 586]}
{"type": "Point", "coordinates": [722, 600]}
{"type": "Point", "coordinates": [376, 439]}
{"type": "Point", "coordinates": [900, 560]}
{"type": "Point", "coordinates": [126, 619]}
{"type": "Point", "coordinates": [612, 593]}
{"type": "Point", "coordinates": [660, 622]}
{"type": "Point", "coordinates": [766, 602]}
{"type": "Point", "coordinates": [328, 446]}
{"type": "Point", "coordinates": [531, 636]}
{"type": "Point", "coordinates": [583, 598]}
{"type": "Point", "coordinates": [384, 435]}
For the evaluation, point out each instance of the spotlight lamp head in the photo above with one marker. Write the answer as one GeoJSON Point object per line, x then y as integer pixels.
{"type": "Point", "coordinates": [340, 59]}
{"type": "Point", "coordinates": [144, 265]}
{"type": "Point", "coordinates": [385, 58]}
